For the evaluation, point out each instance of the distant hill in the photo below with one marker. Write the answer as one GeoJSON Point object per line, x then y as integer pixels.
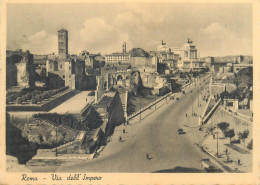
{"type": "Point", "coordinates": [227, 59]}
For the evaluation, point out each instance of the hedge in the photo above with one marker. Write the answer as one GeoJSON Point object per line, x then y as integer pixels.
{"type": "Point", "coordinates": [39, 94]}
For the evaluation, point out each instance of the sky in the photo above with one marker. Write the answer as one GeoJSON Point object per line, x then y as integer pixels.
{"type": "Point", "coordinates": [216, 29]}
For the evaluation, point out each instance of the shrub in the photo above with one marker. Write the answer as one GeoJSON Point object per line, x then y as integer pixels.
{"type": "Point", "coordinates": [42, 97]}
{"type": "Point", "coordinates": [19, 100]}
{"type": "Point", "coordinates": [37, 92]}
{"type": "Point", "coordinates": [34, 100]}
{"type": "Point", "coordinates": [250, 145]}
{"type": "Point", "coordinates": [24, 98]}
{"type": "Point", "coordinates": [39, 98]}
{"type": "Point", "coordinates": [243, 135]}
{"type": "Point", "coordinates": [10, 98]}
{"type": "Point", "coordinates": [29, 95]}
{"type": "Point", "coordinates": [49, 93]}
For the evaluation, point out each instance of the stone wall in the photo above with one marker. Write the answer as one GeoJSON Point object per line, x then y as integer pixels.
{"type": "Point", "coordinates": [116, 114]}
{"type": "Point", "coordinates": [239, 125]}
{"type": "Point", "coordinates": [100, 88]}
{"type": "Point", "coordinates": [20, 70]}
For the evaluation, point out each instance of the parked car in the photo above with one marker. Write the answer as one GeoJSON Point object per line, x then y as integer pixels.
{"type": "Point", "coordinates": [235, 141]}
{"type": "Point", "coordinates": [180, 131]}
{"type": "Point", "coordinates": [92, 93]}
{"type": "Point", "coordinates": [208, 165]}
{"type": "Point", "coordinates": [177, 98]}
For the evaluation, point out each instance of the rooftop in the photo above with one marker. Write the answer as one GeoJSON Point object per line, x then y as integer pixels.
{"type": "Point", "coordinates": [138, 52]}
{"type": "Point", "coordinates": [75, 104]}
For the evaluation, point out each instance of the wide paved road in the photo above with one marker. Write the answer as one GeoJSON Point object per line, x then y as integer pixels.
{"type": "Point", "coordinates": [157, 135]}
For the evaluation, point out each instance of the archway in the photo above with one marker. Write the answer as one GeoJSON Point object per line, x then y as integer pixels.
{"type": "Point", "coordinates": [119, 78]}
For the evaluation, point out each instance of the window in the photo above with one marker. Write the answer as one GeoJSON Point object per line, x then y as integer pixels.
{"type": "Point", "coordinates": [186, 54]}
{"type": "Point", "coordinates": [230, 104]}
{"type": "Point", "coordinates": [60, 66]}
{"type": "Point", "coordinates": [63, 76]}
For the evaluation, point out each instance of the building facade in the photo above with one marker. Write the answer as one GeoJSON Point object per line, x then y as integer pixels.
{"type": "Point", "coordinates": [188, 57]}
{"type": "Point", "coordinates": [118, 57]}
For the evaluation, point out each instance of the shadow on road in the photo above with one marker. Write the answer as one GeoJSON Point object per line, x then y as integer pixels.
{"type": "Point", "coordinates": [180, 169]}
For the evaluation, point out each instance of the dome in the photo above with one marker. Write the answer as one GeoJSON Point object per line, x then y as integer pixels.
{"type": "Point", "coordinates": [138, 52]}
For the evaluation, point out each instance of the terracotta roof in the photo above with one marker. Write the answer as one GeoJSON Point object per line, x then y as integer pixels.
{"type": "Point", "coordinates": [138, 52]}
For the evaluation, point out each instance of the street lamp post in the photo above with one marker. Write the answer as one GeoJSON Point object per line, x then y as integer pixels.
{"type": "Point", "coordinates": [192, 107]}
{"type": "Point", "coordinates": [199, 100]}
{"type": "Point", "coordinates": [56, 153]}
{"type": "Point", "coordinates": [155, 101]}
{"type": "Point", "coordinates": [217, 143]}
{"type": "Point", "coordinates": [140, 108]}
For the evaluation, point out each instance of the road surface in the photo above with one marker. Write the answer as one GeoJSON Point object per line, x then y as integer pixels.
{"type": "Point", "coordinates": [155, 134]}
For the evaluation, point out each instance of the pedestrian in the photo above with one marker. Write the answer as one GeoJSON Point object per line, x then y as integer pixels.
{"type": "Point", "coordinates": [186, 115]}
{"type": "Point", "coordinates": [120, 139]}
{"type": "Point", "coordinates": [123, 130]}
{"type": "Point", "coordinates": [228, 159]}
{"type": "Point", "coordinates": [238, 161]}
{"type": "Point", "coordinates": [226, 151]}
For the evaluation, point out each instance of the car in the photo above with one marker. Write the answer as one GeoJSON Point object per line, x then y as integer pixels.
{"type": "Point", "coordinates": [177, 98]}
{"type": "Point", "coordinates": [180, 131]}
{"type": "Point", "coordinates": [191, 91]}
{"type": "Point", "coordinates": [183, 92]}
{"type": "Point", "coordinates": [172, 98]}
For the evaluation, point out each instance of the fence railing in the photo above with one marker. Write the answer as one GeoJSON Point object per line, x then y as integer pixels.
{"type": "Point", "coordinates": [156, 101]}
{"type": "Point", "coordinates": [238, 115]}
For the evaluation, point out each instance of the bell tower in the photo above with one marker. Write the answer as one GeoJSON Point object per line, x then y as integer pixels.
{"type": "Point", "coordinates": [124, 48]}
{"type": "Point", "coordinates": [63, 42]}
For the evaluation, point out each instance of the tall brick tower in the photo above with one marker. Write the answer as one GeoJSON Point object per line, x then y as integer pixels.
{"type": "Point", "coordinates": [63, 42]}
{"type": "Point", "coordinates": [124, 48]}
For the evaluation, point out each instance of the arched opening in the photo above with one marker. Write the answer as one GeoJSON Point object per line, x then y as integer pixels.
{"type": "Point", "coordinates": [119, 78]}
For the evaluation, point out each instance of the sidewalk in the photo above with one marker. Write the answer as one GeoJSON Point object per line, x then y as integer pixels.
{"type": "Point", "coordinates": [233, 153]}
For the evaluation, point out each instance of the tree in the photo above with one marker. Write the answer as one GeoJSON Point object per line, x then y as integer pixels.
{"type": "Point", "coordinates": [19, 100]}
{"type": "Point", "coordinates": [229, 133]}
{"type": "Point", "coordinates": [210, 129]}
{"type": "Point", "coordinates": [243, 136]}
{"type": "Point", "coordinates": [223, 126]}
